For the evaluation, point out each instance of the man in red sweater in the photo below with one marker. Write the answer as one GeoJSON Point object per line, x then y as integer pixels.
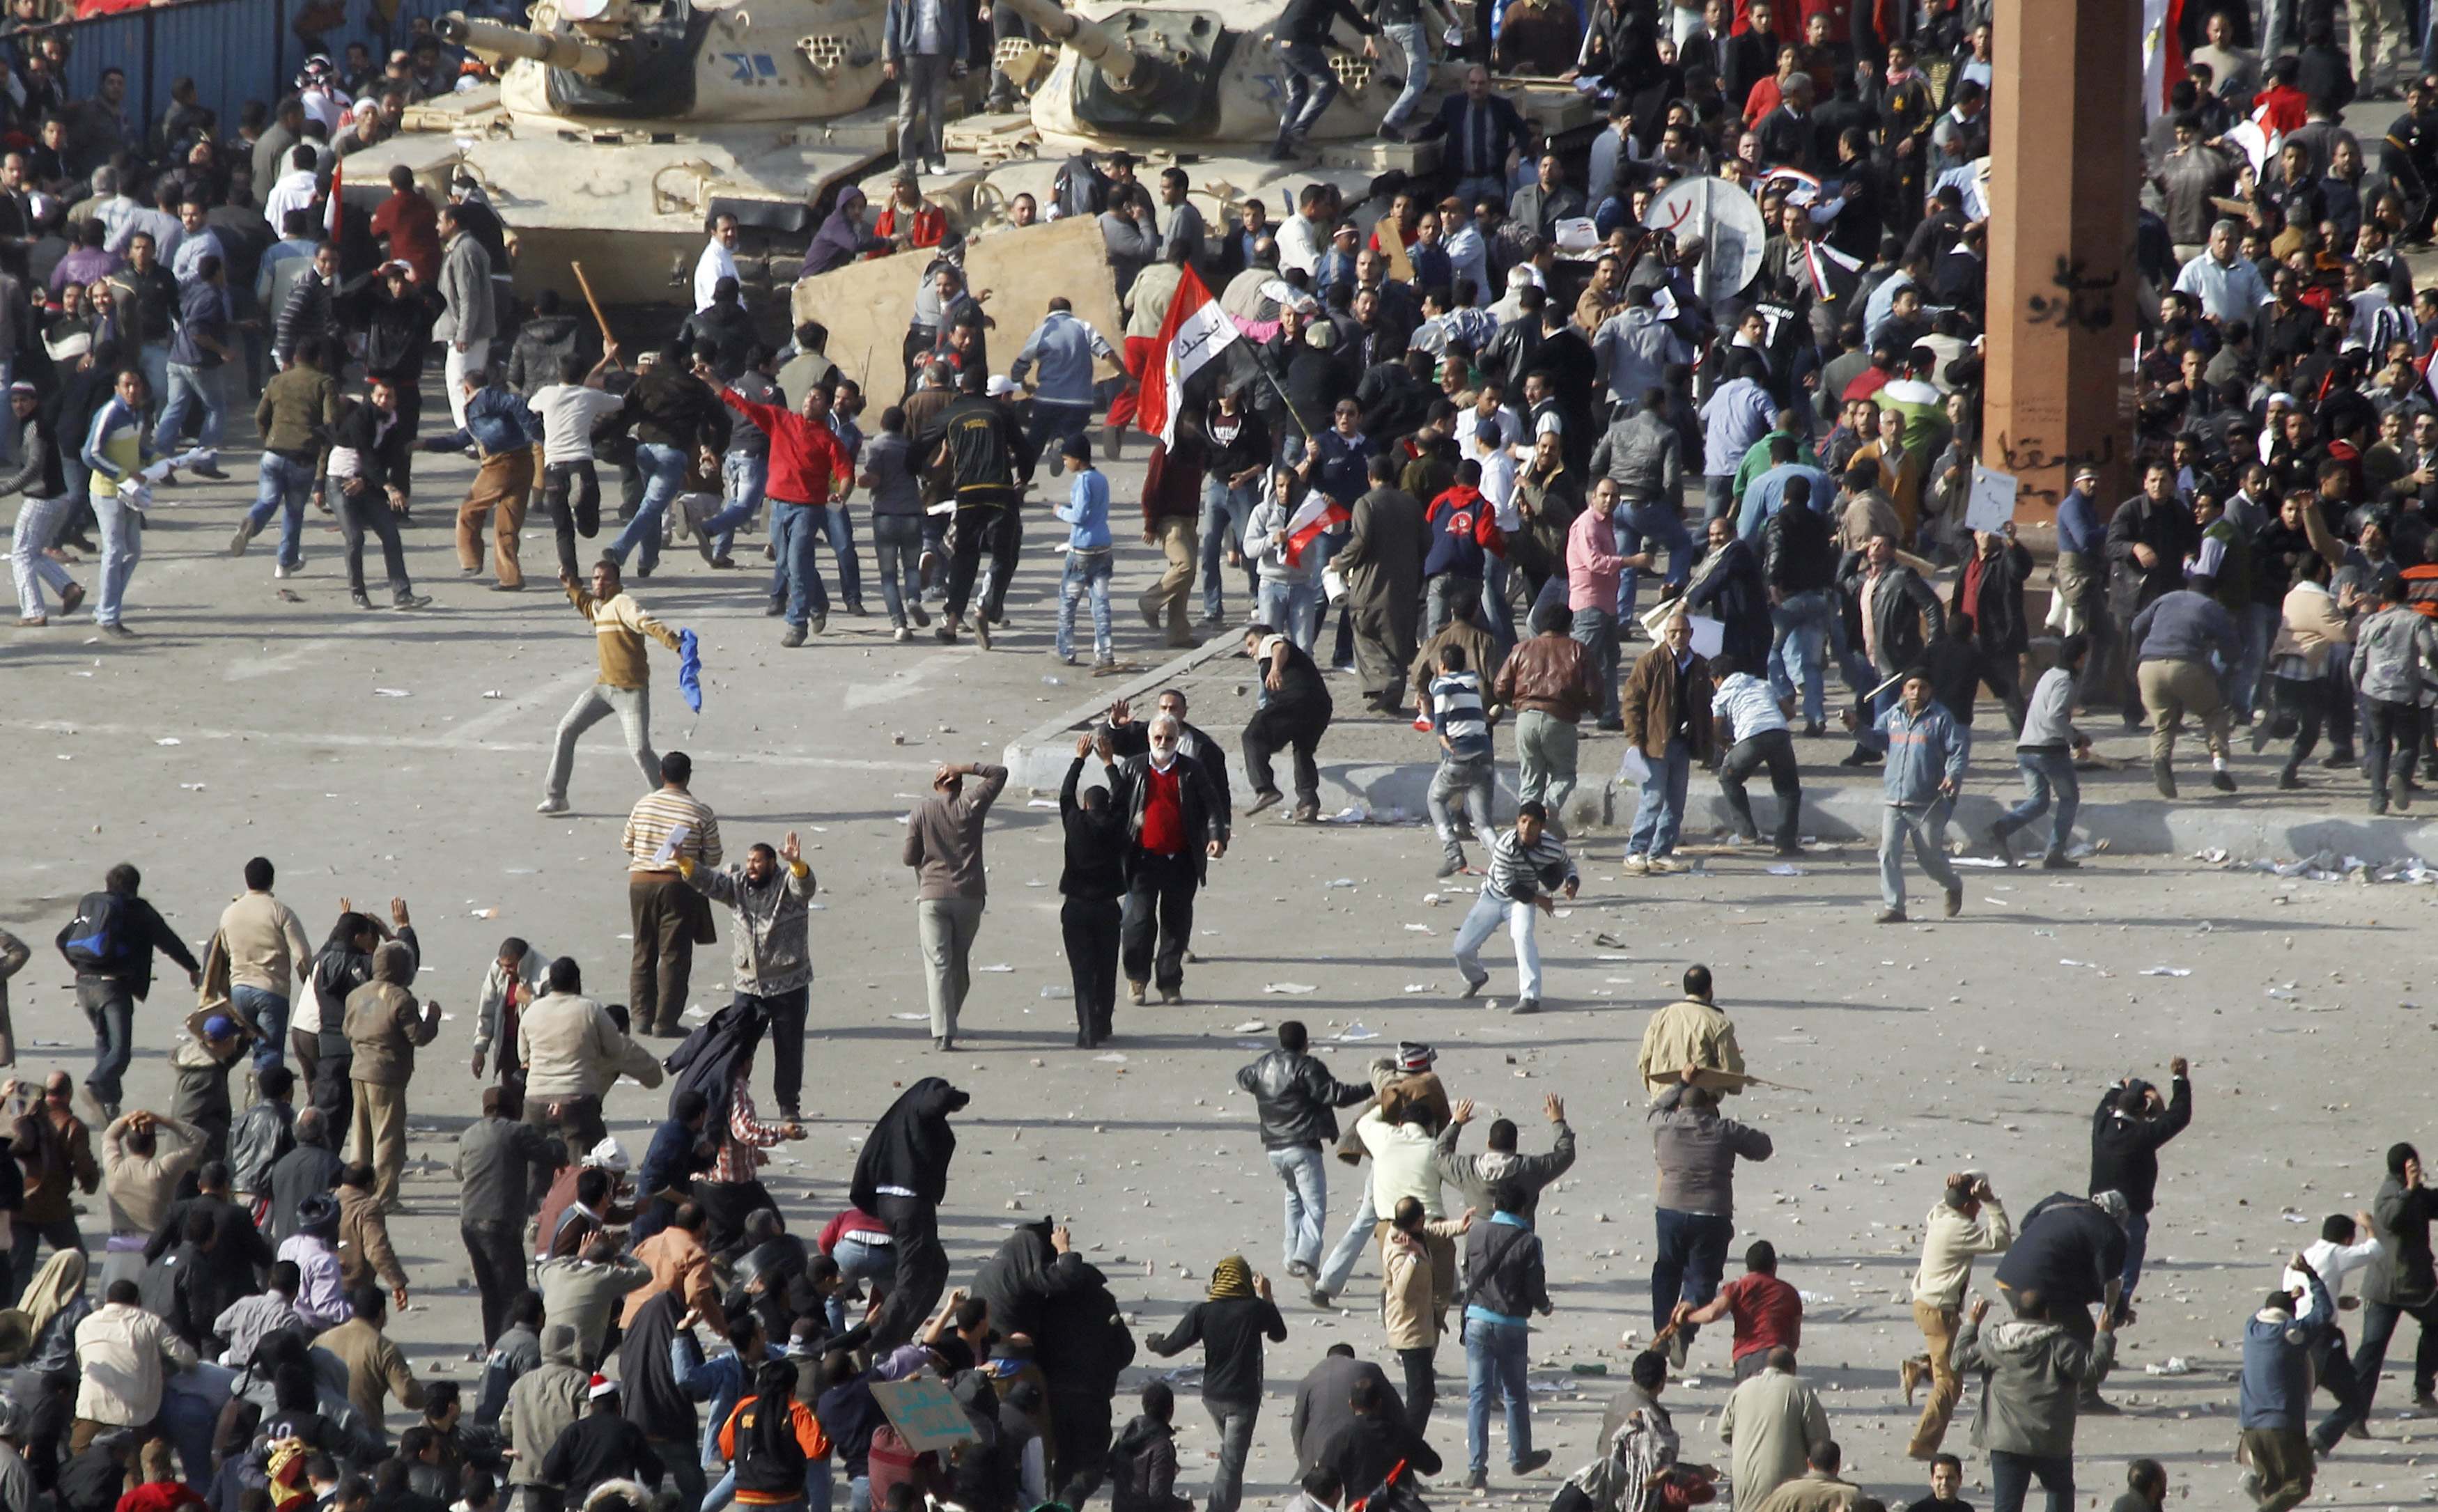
{"type": "Point", "coordinates": [808, 466]}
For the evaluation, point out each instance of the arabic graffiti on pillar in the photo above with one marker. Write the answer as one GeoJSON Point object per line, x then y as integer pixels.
{"type": "Point", "coordinates": [2082, 299]}
{"type": "Point", "coordinates": [2027, 455]}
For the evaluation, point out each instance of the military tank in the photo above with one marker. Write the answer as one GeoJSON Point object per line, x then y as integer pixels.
{"type": "Point", "coordinates": [618, 129]}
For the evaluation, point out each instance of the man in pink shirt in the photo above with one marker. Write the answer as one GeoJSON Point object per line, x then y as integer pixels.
{"type": "Point", "coordinates": [1595, 571]}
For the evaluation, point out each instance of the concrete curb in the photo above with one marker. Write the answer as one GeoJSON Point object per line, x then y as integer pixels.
{"type": "Point", "coordinates": [1039, 757]}
{"type": "Point", "coordinates": [1849, 811]}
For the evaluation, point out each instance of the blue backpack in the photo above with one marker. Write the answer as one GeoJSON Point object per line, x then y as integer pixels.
{"type": "Point", "coordinates": [94, 941]}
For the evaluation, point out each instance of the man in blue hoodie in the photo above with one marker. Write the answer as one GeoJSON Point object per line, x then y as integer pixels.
{"type": "Point", "coordinates": [1924, 772]}
{"type": "Point", "coordinates": [1063, 345]}
{"type": "Point", "coordinates": [2276, 1392]}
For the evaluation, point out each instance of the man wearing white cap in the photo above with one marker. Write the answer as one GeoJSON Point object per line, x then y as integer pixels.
{"type": "Point", "coordinates": [39, 477]}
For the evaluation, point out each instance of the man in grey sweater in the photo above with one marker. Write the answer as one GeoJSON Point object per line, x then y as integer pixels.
{"type": "Point", "coordinates": [2173, 637]}
{"type": "Point", "coordinates": [1696, 1149]}
{"type": "Point", "coordinates": [944, 845]}
{"type": "Point", "coordinates": [1474, 1175]}
{"type": "Point", "coordinates": [2392, 648]}
{"type": "Point", "coordinates": [2044, 754]}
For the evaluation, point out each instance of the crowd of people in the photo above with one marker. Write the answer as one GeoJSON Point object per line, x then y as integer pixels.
{"type": "Point", "coordinates": [1453, 433]}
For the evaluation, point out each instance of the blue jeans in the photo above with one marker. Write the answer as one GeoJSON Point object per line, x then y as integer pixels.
{"type": "Point", "coordinates": [1800, 651]}
{"type": "Point", "coordinates": [1718, 496]}
{"type": "Point", "coordinates": [122, 547]}
{"type": "Point", "coordinates": [1661, 813]}
{"type": "Point", "coordinates": [896, 551]}
{"type": "Point", "coordinates": [839, 527]}
{"type": "Point", "coordinates": [1692, 1251]}
{"type": "Point", "coordinates": [1653, 523]}
{"type": "Point", "coordinates": [111, 1009]}
{"type": "Point", "coordinates": [664, 469]}
{"type": "Point", "coordinates": [1495, 1355]}
{"type": "Point", "coordinates": [1414, 41]}
{"type": "Point", "coordinates": [1293, 610]}
{"type": "Point", "coordinates": [794, 529]}
{"type": "Point", "coordinates": [2046, 771]}
{"type": "Point", "coordinates": [152, 360]}
{"type": "Point", "coordinates": [2241, 684]}
{"type": "Point", "coordinates": [283, 488]}
{"type": "Point", "coordinates": [1304, 1168]}
{"type": "Point", "coordinates": [1224, 513]}
{"type": "Point", "coordinates": [1494, 594]}
{"type": "Point", "coordinates": [190, 387]}
{"type": "Point", "coordinates": [1350, 1245]}
{"type": "Point", "coordinates": [269, 1012]}
{"type": "Point", "coordinates": [1487, 913]}
{"type": "Point", "coordinates": [1312, 84]}
{"type": "Point", "coordinates": [1595, 631]}
{"type": "Point", "coordinates": [1087, 576]}
{"type": "Point", "coordinates": [743, 480]}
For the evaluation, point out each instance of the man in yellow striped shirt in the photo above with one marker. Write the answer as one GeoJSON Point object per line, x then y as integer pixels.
{"type": "Point", "coordinates": [669, 831]}
{"type": "Point", "coordinates": [625, 688]}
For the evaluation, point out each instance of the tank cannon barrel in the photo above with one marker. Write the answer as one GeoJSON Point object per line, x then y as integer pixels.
{"type": "Point", "coordinates": [1095, 43]}
{"type": "Point", "coordinates": [491, 40]}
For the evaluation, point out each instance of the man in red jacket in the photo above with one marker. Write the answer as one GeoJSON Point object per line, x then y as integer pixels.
{"type": "Point", "coordinates": [808, 464]}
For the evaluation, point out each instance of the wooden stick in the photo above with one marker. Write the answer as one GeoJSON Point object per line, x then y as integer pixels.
{"type": "Point", "coordinates": [581, 282]}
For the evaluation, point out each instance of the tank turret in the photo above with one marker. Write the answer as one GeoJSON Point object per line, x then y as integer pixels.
{"type": "Point", "coordinates": [618, 128]}
{"type": "Point", "coordinates": [498, 44]}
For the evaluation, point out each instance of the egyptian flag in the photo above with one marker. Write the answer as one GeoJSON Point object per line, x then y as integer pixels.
{"type": "Point", "coordinates": [1195, 331]}
{"type": "Point", "coordinates": [1834, 275]}
{"type": "Point", "coordinates": [1317, 513]}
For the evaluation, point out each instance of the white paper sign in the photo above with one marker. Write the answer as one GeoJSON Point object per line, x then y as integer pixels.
{"type": "Point", "coordinates": [1709, 635]}
{"type": "Point", "coordinates": [1993, 503]}
{"type": "Point", "coordinates": [667, 854]}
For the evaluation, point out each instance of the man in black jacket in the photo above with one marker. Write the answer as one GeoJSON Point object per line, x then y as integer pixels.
{"type": "Point", "coordinates": [1093, 882]}
{"type": "Point", "coordinates": [991, 461]}
{"type": "Point", "coordinates": [1298, 1099]}
{"type": "Point", "coordinates": [1295, 713]}
{"type": "Point", "coordinates": [2148, 539]}
{"type": "Point", "coordinates": [1130, 737]}
{"type": "Point", "coordinates": [2126, 1131]}
{"type": "Point", "coordinates": [1986, 610]}
{"type": "Point", "coordinates": [1505, 1280]}
{"type": "Point", "coordinates": [1375, 1441]}
{"type": "Point", "coordinates": [1903, 615]}
{"type": "Point", "coordinates": [109, 945]}
{"type": "Point", "coordinates": [1798, 563]}
{"type": "Point", "coordinates": [1176, 824]}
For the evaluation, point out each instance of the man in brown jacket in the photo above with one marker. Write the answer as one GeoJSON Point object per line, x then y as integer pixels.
{"type": "Point", "coordinates": [1551, 682]}
{"type": "Point", "coordinates": [55, 1156]}
{"type": "Point", "coordinates": [383, 1029]}
{"type": "Point", "coordinates": [376, 1368]}
{"type": "Point", "coordinates": [1383, 563]}
{"type": "Point", "coordinates": [1667, 712]}
{"type": "Point", "coordinates": [366, 1258]}
{"type": "Point", "coordinates": [944, 845]}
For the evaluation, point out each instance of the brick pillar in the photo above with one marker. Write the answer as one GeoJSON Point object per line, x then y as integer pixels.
{"type": "Point", "coordinates": [2065, 138]}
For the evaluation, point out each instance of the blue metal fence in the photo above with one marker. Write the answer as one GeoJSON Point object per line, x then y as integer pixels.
{"type": "Point", "coordinates": [235, 50]}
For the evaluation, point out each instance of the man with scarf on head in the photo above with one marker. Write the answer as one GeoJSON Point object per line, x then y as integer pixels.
{"type": "Point", "coordinates": [900, 1177]}
{"type": "Point", "coordinates": [1230, 1325]}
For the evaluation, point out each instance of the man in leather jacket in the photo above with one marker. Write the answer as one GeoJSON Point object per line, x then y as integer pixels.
{"type": "Point", "coordinates": [1299, 1099]}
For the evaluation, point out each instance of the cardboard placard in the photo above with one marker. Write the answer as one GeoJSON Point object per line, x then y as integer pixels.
{"type": "Point", "coordinates": [1993, 503]}
{"type": "Point", "coordinates": [923, 1414]}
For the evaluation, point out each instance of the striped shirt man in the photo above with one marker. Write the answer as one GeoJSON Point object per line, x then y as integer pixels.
{"type": "Point", "coordinates": [740, 1155]}
{"type": "Point", "coordinates": [662, 811]}
{"type": "Point", "coordinates": [1518, 873]}
{"type": "Point", "coordinates": [1456, 710]}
